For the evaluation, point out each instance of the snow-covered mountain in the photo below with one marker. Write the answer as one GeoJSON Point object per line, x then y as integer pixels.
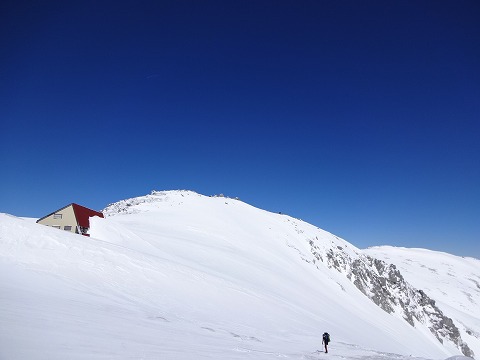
{"type": "Point", "coordinates": [178, 275]}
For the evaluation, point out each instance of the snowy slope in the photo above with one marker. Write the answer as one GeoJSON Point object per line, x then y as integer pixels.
{"type": "Point", "coordinates": [452, 281]}
{"type": "Point", "coordinates": [177, 275]}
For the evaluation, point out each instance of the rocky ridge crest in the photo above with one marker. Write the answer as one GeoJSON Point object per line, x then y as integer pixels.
{"type": "Point", "coordinates": [385, 286]}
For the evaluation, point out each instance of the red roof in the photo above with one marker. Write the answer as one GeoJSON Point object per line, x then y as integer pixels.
{"type": "Point", "coordinates": [82, 214]}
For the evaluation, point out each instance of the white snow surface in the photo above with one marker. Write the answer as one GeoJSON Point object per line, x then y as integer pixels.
{"type": "Point", "coordinates": [178, 275]}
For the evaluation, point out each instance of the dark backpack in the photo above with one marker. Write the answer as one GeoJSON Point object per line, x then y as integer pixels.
{"type": "Point", "coordinates": [326, 337]}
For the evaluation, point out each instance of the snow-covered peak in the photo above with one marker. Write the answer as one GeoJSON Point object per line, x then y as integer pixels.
{"type": "Point", "coordinates": [181, 275]}
{"type": "Point", "coordinates": [220, 213]}
{"type": "Point", "coordinates": [190, 215]}
{"type": "Point", "coordinates": [147, 202]}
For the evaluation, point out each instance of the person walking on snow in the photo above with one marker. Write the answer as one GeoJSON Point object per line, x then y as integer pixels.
{"type": "Point", "coordinates": [326, 340]}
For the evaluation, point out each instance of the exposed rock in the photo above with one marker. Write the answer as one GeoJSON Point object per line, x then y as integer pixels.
{"type": "Point", "coordinates": [385, 286]}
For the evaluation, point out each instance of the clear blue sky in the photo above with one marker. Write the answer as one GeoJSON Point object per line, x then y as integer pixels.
{"type": "Point", "coordinates": [362, 118]}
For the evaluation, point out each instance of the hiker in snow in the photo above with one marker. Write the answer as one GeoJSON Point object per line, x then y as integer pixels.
{"type": "Point", "coordinates": [326, 340]}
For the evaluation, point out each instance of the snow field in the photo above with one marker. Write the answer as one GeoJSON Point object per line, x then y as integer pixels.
{"type": "Point", "coordinates": [183, 276]}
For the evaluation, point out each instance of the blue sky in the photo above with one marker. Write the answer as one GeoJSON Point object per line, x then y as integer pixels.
{"type": "Point", "coordinates": [362, 118]}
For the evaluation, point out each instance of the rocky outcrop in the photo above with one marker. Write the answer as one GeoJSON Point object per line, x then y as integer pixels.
{"type": "Point", "coordinates": [385, 286]}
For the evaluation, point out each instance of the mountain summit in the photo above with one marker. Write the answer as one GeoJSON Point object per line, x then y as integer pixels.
{"type": "Point", "coordinates": [179, 275]}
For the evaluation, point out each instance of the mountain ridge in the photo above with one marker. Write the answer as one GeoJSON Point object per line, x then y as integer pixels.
{"type": "Point", "coordinates": [225, 277]}
{"type": "Point", "coordinates": [381, 282]}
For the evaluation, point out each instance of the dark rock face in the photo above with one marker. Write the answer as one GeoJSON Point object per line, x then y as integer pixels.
{"type": "Point", "coordinates": [385, 286]}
